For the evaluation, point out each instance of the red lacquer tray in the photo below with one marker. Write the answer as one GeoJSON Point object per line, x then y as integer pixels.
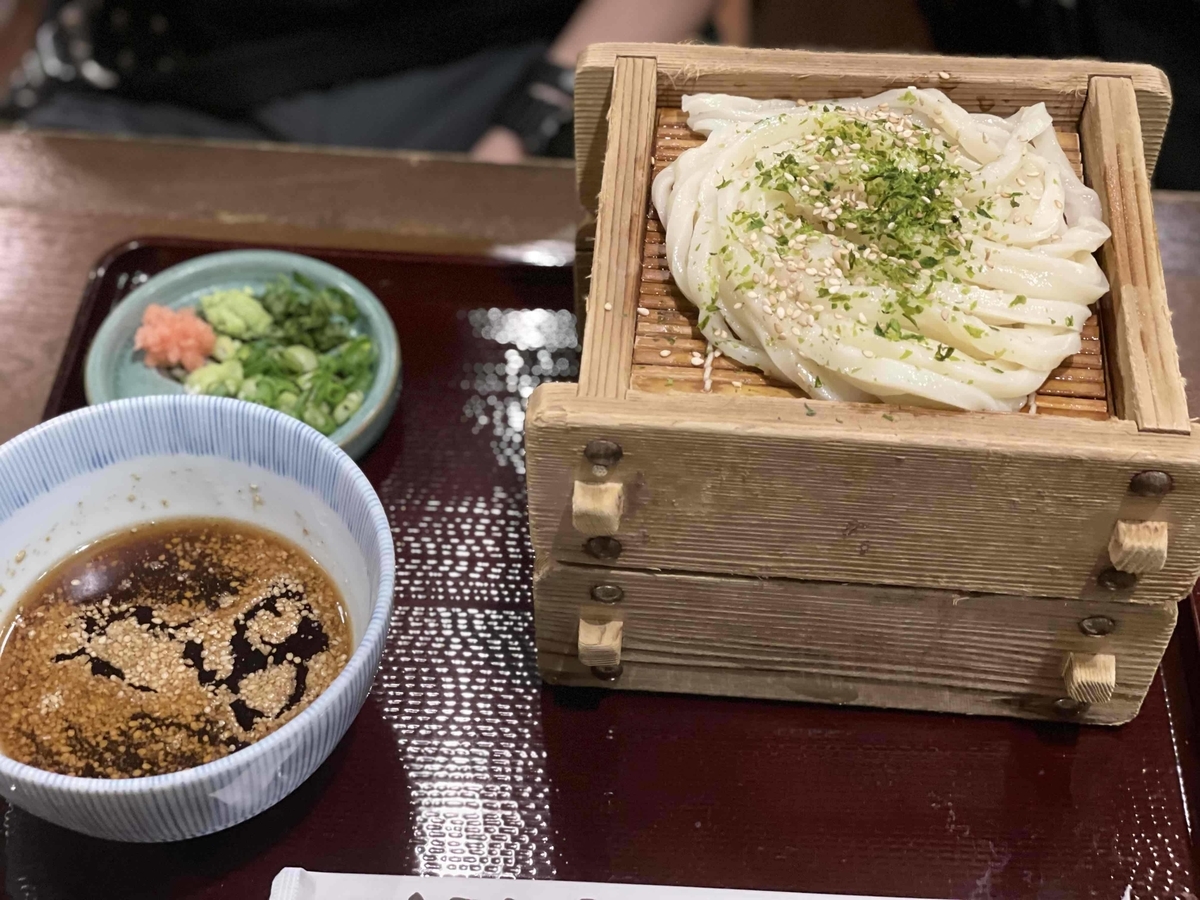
{"type": "Point", "coordinates": [461, 762]}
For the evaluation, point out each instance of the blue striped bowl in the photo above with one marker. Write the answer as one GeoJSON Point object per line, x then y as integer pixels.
{"type": "Point", "coordinates": [109, 467]}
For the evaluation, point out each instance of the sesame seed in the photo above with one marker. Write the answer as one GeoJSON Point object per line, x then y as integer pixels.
{"type": "Point", "coordinates": [664, 353]}
{"type": "Point", "coordinates": [642, 311]}
{"type": "Point", "coordinates": [608, 307]}
{"type": "Point", "coordinates": [91, 723]}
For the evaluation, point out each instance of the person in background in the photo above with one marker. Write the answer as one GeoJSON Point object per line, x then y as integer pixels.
{"type": "Point", "coordinates": [1165, 33]}
{"type": "Point", "coordinates": [494, 77]}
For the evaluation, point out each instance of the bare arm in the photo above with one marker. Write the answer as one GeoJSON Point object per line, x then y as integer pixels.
{"type": "Point", "coordinates": [605, 20]}
{"type": "Point", "coordinates": [628, 20]}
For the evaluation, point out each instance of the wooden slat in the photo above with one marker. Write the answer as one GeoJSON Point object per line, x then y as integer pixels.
{"type": "Point", "coordinates": [678, 380]}
{"type": "Point", "coordinates": [668, 321]}
{"type": "Point", "coordinates": [1148, 384]}
{"type": "Point", "coordinates": [837, 643]}
{"type": "Point", "coordinates": [585, 251]}
{"type": "Point", "coordinates": [1000, 86]}
{"type": "Point", "coordinates": [1072, 407]}
{"type": "Point", "coordinates": [620, 226]}
{"type": "Point", "coordinates": [863, 493]}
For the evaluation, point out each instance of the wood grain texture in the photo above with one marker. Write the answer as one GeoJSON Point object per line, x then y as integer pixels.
{"type": "Point", "coordinates": [596, 508]}
{"type": "Point", "coordinates": [620, 227]}
{"type": "Point", "coordinates": [1139, 547]}
{"type": "Point", "coordinates": [989, 85]}
{"type": "Point", "coordinates": [1091, 677]}
{"type": "Point", "coordinates": [599, 643]}
{"type": "Point", "coordinates": [1148, 385]}
{"type": "Point", "coordinates": [859, 493]}
{"type": "Point", "coordinates": [585, 252]}
{"type": "Point", "coordinates": [849, 644]}
{"type": "Point", "coordinates": [668, 333]}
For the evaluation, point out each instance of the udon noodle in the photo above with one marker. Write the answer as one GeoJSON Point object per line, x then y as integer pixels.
{"type": "Point", "coordinates": [892, 248]}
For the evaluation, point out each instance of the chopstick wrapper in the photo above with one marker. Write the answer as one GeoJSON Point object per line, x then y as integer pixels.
{"type": "Point", "coordinates": [300, 884]}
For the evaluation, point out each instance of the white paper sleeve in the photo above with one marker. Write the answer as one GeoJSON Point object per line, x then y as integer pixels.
{"type": "Point", "coordinates": [299, 884]}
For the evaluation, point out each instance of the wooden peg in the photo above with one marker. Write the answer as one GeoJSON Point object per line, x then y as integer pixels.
{"type": "Point", "coordinates": [596, 509]}
{"type": "Point", "coordinates": [1138, 547]}
{"type": "Point", "coordinates": [1090, 677]}
{"type": "Point", "coordinates": [600, 643]}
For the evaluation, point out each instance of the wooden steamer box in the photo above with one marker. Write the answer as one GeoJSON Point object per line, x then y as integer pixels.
{"type": "Point", "coordinates": [744, 540]}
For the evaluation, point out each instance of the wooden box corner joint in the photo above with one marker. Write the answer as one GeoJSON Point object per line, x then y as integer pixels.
{"type": "Point", "coordinates": [1090, 677]}
{"type": "Point", "coordinates": [600, 643]}
{"type": "Point", "coordinates": [1148, 385]}
{"type": "Point", "coordinates": [1138, 547]}
{"type": "Point", "coordinates": [596, 509]}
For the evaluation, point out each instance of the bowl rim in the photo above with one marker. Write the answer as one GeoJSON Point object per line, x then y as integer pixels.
{"type": "Point", "coordinates": [369, 305]}
{"type": "Point", "coordinates": [373, 635]}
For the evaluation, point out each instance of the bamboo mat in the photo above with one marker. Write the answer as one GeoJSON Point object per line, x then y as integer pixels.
{"type": "Point", "coordinates": [667, 320]}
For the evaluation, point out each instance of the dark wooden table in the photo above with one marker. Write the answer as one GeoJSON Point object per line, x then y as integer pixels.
{"type": "Point", "coordinates": [65, 200]}
{"type": "Point", "coordinates": [461, 763]}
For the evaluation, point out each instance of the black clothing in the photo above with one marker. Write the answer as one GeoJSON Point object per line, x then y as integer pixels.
{"type": "Point", "coordinates": [1165, 33]}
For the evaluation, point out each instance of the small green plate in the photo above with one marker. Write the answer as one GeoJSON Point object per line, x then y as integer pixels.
{"type": "Point", "coordinates": [114, 371]}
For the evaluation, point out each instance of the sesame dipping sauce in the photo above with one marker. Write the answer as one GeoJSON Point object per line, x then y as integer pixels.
{"type": "Point", "coordinates": [167, 646]}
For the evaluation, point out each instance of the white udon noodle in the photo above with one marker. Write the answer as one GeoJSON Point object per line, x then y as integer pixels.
{"type": "Point", "coordinates": [1011, 304]}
